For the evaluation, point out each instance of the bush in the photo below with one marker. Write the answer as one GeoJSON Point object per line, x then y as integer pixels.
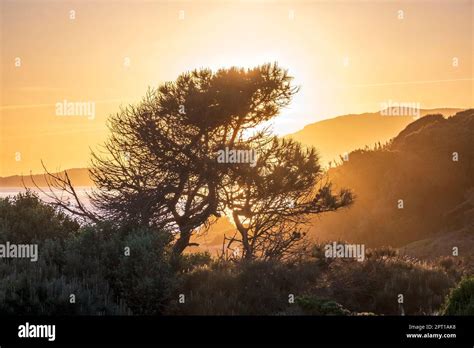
{"type": "Point", "coordinates": [460, 300]}
{"type": "Point", "coordinates": [25, 219]}
{"type": "Point", "coordinates": [41, 288]}
{"type": "Point", "coordinates": [88, 262]}
{"type": "Point", "coordinates": [92, 266]}
{"type": "Point", "coordinates": [142, 280]}
{"type": "Point", "coordinates": [249, 288]}
{"type": "Point", "coordinates": [318, 306]}
{"type": "Point", "coordinates": [457, 267]}
{"type": "Point", "coordinates": [374, 285]}
{"type": "Point", "coordinates": [190, 262]}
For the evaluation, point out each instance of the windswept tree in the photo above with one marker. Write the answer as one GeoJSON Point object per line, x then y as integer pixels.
{"type": "Point", "coordinates": [159, 166]}
{"type": "Point", "coordinates": [272, 201]}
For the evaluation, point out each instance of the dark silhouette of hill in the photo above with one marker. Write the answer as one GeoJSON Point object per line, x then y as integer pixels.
{"type": "Point", "coordinates": [333, 137]}
{"type": "Point", "coordinates": [417, 167]}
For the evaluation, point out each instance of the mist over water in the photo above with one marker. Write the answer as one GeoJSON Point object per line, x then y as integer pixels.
{"type": "Point", "coordinates": [81, 191]}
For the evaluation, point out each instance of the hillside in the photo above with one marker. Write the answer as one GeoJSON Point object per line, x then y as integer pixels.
{"type": "Point", "coordinates": [416, 167]}
{"type": "Point", "coordinates": [333, 137]}
{"type": "Point", "coordinates": [78, 176]}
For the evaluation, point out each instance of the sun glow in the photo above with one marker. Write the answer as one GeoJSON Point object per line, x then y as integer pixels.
{"type": "Point", "coordinates": [313, 40]}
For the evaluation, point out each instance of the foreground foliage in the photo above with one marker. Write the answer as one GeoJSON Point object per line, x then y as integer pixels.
{"type": "Point", "coordinates": [461, 299]}
{"type": "Point", "coordinates": [127, 271]}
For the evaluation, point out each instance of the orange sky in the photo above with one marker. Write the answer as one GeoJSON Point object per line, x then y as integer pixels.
{"type": "Point", "coordinates": [347, 57]}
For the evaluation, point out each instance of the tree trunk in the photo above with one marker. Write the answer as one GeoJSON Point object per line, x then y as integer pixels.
{"type": "Point", "coordinates": [244, 233]}
{"type": "Point", "coordinates": [181, 243]}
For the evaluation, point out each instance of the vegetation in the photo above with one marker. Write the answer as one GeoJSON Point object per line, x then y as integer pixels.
{"type": "Point", "coordinates": [317, 306]}
{"type": "Point", "coordinates": [429, 166]}
{"type": "Point", "coordinates": [159, 182]}
{"type": "Point", "coordinates": [91, 263]}
{"type": "Point", "coordinates": [25, 220]}
{"type": "Point", "coordinates": [460, 300]}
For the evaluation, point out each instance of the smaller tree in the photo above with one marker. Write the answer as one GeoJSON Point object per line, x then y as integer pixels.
{"type": "Point", "coordinates": [271, 202]}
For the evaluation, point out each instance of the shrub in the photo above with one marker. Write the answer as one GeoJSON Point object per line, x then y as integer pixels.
{"type": "Point", "coordinates": [457, 267]}
{"type": "Point", "coordinates": [374, 285]}
{"type": "Point", "coordinates": [87, 261]}
{"type": "Point", "coordinates": [142, 280]}
{"type": "Point", "coordinates": [318, 306]}
{"type": "Point", "coordinates": [248, 288]}
{"type": "Point", "coordinates": [381, 252]}
{"type": "Point", "coordinates": [192, 261]}
{"type": "Point", "coordinates": [460, 300]}
{"type": "Point", "coordinates": [26, 219]}
{"type": "Point", "coordinates": [40, 288]}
